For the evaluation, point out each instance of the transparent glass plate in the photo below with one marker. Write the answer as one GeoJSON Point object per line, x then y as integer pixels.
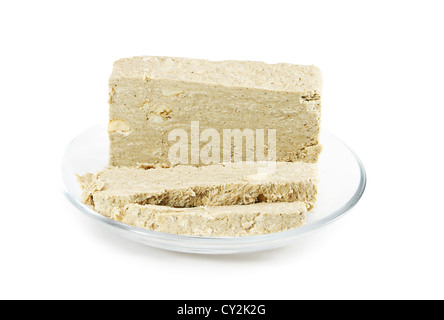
{"type": "Point", "coordinates": [342, 183]}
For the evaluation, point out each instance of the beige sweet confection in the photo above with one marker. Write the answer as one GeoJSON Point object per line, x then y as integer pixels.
{"type": "Point", "coordinates": [151, 96]}
{"type": "Point", "coordinates": [215, 221]}
{"type": "Point", "coordinates": [190, 186]}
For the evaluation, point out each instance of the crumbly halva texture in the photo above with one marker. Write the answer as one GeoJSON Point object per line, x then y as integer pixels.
{"type": "Point", "coordinates": [189, 186]}
{"type": "Point", "coordinates": [151, 96]}
{"type": "Point", "coordinates": [214, 221]}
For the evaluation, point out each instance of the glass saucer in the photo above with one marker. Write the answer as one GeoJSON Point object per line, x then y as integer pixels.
{"type": "Point", "coordinates": [342, 183]}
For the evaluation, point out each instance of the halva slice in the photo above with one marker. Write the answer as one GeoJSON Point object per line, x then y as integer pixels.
{"type": "Point", "coordinates": [215, 221]}
{"type": "Point", "coordinates": [189, 186]}
{"type": "Point", "coordinates": [150, 97]}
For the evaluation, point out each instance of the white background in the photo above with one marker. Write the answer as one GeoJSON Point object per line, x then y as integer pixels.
{"type": "Point", "coordinates": [383, 83]}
